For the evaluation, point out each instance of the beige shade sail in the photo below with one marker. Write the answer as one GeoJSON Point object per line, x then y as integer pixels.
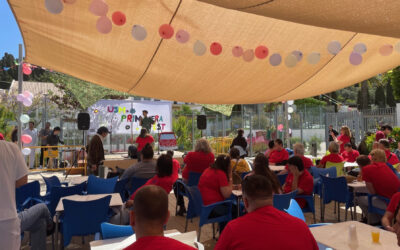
{"type": "Point", "coordinates": [166, 69]}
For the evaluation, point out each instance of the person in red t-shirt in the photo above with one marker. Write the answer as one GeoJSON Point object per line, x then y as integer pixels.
{"type": "Point", "coordinates": [384, 133]}
{"type": "Point", "coordinates": [176, 166]}
{"type": "Point", "coordinates": [278, 155]}
{"type": "Point", "coordinates": [343, 138]}
{"type": "Point", "coordinates": [390, 211]}
{"type": "Point", "coordinates": [333, 157]}
{"type": "Point", "coordinates": [142, 140]}
{"type": "Point", "coordinates": [379, 179]}
{"type": "Point", "coordinates": [215, 185]}
{"type": "Point", "coordinates": [298, 179]}
{"type": "Point", "coordinates": [391, 158]}
{"type": "Point", "coordinates": [298, 150]}
{"type": "Point", "coordinates": [264, 227]}
{"type": "Point", "coordinates": [350, 155]}
{"type": "Point", "coordinates": [148, 217]}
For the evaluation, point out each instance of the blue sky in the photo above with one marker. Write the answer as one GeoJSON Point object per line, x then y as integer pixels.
{"type": "Point", "coordinates": [10, 36]}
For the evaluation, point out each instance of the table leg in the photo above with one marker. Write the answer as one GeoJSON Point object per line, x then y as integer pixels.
{"type": "Point", "coordinates": [56, 231]}
{"type": "Point", "coordinates": [355, 204]}
{"type": "Point", "coordinates": [120, 214]}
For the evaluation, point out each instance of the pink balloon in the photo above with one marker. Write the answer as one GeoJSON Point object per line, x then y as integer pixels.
{"type": "Point", "coordinates": [27, 102]}
{"type": "Point", "coordinates": [98, 8]}
{"type": "Point", "coordinates": [27, 94]}
{"type": "Point", "coordinates": [182, 36]}
{"type": "Point", "coordinates": [166, 31]}
{"type": "Point", "coordinates": [104, 25]}
{"type": "Point", "coordinates": [280, 127]}
{"type": "Point", "coordinates": [20, 97]}
{"type": "Point", "coordinates": [26, 139]}
{"type": "Point", "coordinates": [386, 50]}
{"type": "Point", "coordinates": [355, 58]}
{"type": "Point", "coordinates": [248, 55]}
{"type": "Point", "coordinates": [26, 69]}
{"type": "Point", "coordinates": [261, 52]}
{"type": "Point", "coordinates": [215, 48]}
{"type": "Point", "coordinates": [237, 51]}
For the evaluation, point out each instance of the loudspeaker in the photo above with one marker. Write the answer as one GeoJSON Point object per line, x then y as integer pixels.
{"type": "Point", "coordinates": [201, 122]}
{"type": "Point", "coordinates": [83, 121]}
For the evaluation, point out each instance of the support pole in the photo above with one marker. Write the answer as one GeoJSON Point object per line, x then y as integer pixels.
{"type": "Point", "coordinates": [20, 79]}
{"type": "Point", "coordinates": [287, 136]}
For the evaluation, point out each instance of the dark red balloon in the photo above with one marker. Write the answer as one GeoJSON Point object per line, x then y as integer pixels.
{"type": "Point", "coordinates": [166, 31]}
{"type": "Point", "coordinates": [215, 48]}
{"type": "Point", "coordinates": [261, 52]}
{"type": "Point", "coordinates": [118, 18]}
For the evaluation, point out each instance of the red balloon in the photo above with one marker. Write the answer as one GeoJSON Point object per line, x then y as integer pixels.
{"type": "Point", "coordinates": [261, 52]}
{"type": "Point", "coordinates": [118, 18]}
{"type": "Point", "coordinates": [166, 31]}
{"type": "Point", "coordinates": [215, 48]}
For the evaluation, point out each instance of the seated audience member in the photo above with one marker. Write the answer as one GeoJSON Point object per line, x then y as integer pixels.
{"type": "Point", "coordinates": [278, 155]}
{"type": "Point", "coordinates": [349, 154]}
{"type": "Point", "coordinates": [215, 185]}
{"type": "Point", "coordinates": [298, 150]}
{"type": "Point", "coordinates": [397, 151]}
{"type": "Point", "coordinates": [388, 217]}
{"type": "Point", "coordinates": [271, 145]}
{"type": "Point", "coordinates": [238, 164]}
{"type": "Point", "coordinates": [148, 217]}
{"type": "Point", "coordinates": [384, 133]}
{"type": "Point", "coordinates": [143, 169]}
{"type": "Point", "coordinates": [261, 167]}
{"type": "Point", "coordinates": [176, 166]}
{"type": "Point", "coordinates": [264, 227]}
{"type": "Point", "coordinates": [396, 225]}
{"type": "Point", "coordinates": [362, 161]}
{"type": "Point", "coordinates": [375, 145]}
{"type": "Point", "coordinates": [380, 180]}
{"type": "Point", "coordinates": [333, 157]}
{"type": "Point", "coordinates": [298, 179]}
{"type": "Point", "coordinates": [391, 158]}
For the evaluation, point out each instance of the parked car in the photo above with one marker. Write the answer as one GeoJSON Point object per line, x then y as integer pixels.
{"type": "Point", "coordinates": [167, 141]}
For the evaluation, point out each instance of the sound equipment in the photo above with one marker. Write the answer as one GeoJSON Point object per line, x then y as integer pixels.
{"type": "Point", "coordinates": [201, 122]}
{"type": "Point", "coordinates": [83, 121]}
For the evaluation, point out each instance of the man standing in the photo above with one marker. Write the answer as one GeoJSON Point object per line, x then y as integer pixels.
{"type": "Point", "coordinates": [32, 132]}
{"type": "Point", "coordinates": [145, 121]}
{"type": "Point", "coordinates": [331, 130]}
{"type": "Point", "coordinates": [43, 134]}
{"type": "Point", "coordinates": [96, 151]}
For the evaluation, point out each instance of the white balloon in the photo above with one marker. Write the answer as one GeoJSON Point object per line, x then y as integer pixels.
{"type": "Point", "coordinates": [54, 6]}
{"type": "Point", "coordinates": [334, 47]}
{"type": "Point", "coordinates": [139, 32]}
{"type": "Point", "coordinates": [289, 117]}
{"type": "Point", "coordinates": [290, 102]}
{"type": "Point", "coordinates": [199, 48]}
{"type": "Point", "coordinates": [291, 61]}
{"type": "Point", "coordinates": [360, 48]}
{"type": "Point", "coordinates": [24, 118]}
{"type": "Point", "coordinates": [26, 151]}
{"type": "Point", "coordinates": [313, 58]}
{"type": "Point", "coordinates": [27, 102]}
{"type": "Point", "coordinates": [290, 110]}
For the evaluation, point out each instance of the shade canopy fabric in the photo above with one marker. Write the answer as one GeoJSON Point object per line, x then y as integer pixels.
{"type": "Point", "coordinates": [167, 69]}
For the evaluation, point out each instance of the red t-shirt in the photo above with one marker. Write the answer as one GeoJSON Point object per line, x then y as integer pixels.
{"type": "Point", "coordinates": [278, 156]}
{"type": "Point", "coordinates": [197, 162]}
{"type": "Point", "coordinates": [379, 135]}
{"type": "Point", "coordinates": [266, 228]}
{"type": "Point", "coordinates": [176, 166]}
{"type": "Point", "coordinates": [344, 139]}
{"type": "Point", "coordinates": [383, 179]}
{"type": "Point", "coordinates": [350, 156]}
{"type": "Point", "coordinates": [305, 183]}
{"type": "Point", "coordinates": [143, 141]}
{"type": "Point", "coordinates": [158, 243]}
{"type": "Point", "coordinates": [394, 202]}
{"type": "Point", "coordinates": [391, 158]}
{"type": "Point", "coordinates": [335, 158]}
{"type": "Point", "coordinates": [306, 162]}
{"type": "Point", "coordinates": [210, 183]}
{"type": "Point", "coordinates": [165, 182]}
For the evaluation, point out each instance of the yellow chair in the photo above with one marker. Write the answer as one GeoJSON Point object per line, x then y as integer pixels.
{"type": "Point", "coordinates": [339, 167]}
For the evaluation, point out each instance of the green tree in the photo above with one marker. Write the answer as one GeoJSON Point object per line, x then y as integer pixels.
{"type": "Point", "coordinates": [395, 82]}
{"type": "Point", "coordinates": [363, 99]}
{"type": "Point", "coordinates": [389, 95]}
{"type": "Point", "coordinates": [6, 115]}
{"type": "Point", "coordinates": [380, 99]}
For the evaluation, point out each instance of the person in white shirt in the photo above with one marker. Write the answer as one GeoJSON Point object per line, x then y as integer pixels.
{"type": "Point", "coordinates": [13, 174]}
{"type": "Point", "coordinates": [32, 131]}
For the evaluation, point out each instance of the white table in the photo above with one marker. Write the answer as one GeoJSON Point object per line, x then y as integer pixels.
{"type": "Point", "coordinates": [115, 201]}
{"type": "Point", "coordinates": [336, 236]}
{"type": "Point", "coordinates": [238, 194]}
{"type": "Point", "coordinates": [189, 238]}
{"type": "Point", "coordinates": [358, 187]}
{"type": "Point", "coordinates": [275, 168]}
{"type": "Point", "coordinates": [350, 165]}
{"type": "Point", "coordinates": [78, 180]}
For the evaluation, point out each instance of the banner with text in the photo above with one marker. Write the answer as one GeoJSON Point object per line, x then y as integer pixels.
{"type": "Point", "coordinates": [123, 116]}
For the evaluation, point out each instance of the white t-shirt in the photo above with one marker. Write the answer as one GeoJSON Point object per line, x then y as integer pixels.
{"type": "Point", "coordinates": [34, 134]}
{"type": "Point", "coordinates": [12, 168]}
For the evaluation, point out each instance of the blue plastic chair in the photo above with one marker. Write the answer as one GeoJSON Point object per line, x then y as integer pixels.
{"type": "Point", "coordinates": [244, 174]}
{"type": "Point", "coordinates": [316, 173]}
{"type": "Point", "coordinates": [97, 185]}
{"type": "Point", "coordinates": [282, 201]}
{"type": "Point", "coordinates": [59, 192]}
{"type": "Point", "coordinates": [375, 210]}
{"type": "Point", "coordinates": [84, 217]}
{"type": "Point", "coordinates": [120, 187]}
{"type": "Point", "coordinates": [290, 151]}
{"type": "Point", "coordinates": [335, 189]}
{"type": "Point", "coordinates": [193, 180]}
{"type": "Point", "coordinates": [319, 225]}
{"type": "Point", "coordinates": [282, 178]}
{"type": "Point", "coordinates": [52, 181]}
{"type": "Point", "coordinates": [110, 231]}
{"type": "Point", "coordinates": [295, 210]}
{"type": "Point", "coordinates": [196, 208]}
{"type": "Point", "coordinates": [136, 183]}
{"type": "Point", "coordinates": [310, 206]}
{"type": "Point", "coordinates": [28, 195]}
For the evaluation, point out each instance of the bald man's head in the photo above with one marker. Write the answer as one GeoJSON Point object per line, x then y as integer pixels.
{"type": "Point", "coordinates": [150, 205]}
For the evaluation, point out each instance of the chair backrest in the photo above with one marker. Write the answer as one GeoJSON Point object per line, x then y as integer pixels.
{"type": "Point", "coordinates": [110, 231]}
{"type": "Point", "coordinates": [290, 151]}
{"type": "Point", "coordinates": [29, 190]}
{"type": "Point", "coordinates": [316, 172]}
{"type": "Point", "coordinates": [338, 165]}
{"type": "Point", "coordinates": [282, 201]}
{"type": "Point", "coordinates": [244, 174]}
{"type": "Point", "coordinates": [57, 193]}
{"type": "Point", "coordinates": [282, 178]}
{"type": "Point", "coordinates": [334, 189]}
{"type": "Point", "coordinates": [84, 217]}
{"type": "Point", "coordinates": [136, 183]}
{"type": "Point", "coordinates": [97, 185]}
{"type": "Point", "coordinates": [195, 201]}
{"type": "Point", "coordinates": [295, 210]}
{"type": "Point", "coordinates": [193, 179]}
{"type": "Point", "coordinates": [50, 182]}
{"type": "Point", "coordinates": [120, 187]}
